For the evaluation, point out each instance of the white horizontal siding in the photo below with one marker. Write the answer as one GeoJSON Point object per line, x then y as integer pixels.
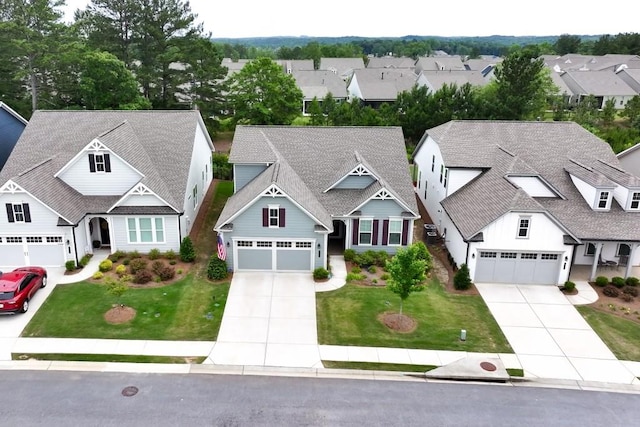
{"type": "Point", "coordinates": [200, 174]}
{"type": "Point", "coordinates": [119, 236]}
{"type": "Point", "coordinates": [43, 220]}
{"type": "Point", "coordinates": [115, 183]}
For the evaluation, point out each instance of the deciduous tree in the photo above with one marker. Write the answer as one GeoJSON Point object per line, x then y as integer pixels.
{"type": "Point", "coordinates": [407, 271]}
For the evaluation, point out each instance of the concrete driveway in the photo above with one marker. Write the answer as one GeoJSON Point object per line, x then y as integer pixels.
{"type": "Point", "coordinates": [269, 320]}
{"type": "Point", "coordinates": [549, 336]}
{"type": "Point", "coordinates": [11, 325]}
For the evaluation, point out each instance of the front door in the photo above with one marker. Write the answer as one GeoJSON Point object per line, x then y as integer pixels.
{"type": "Point", "coordinates": [104, 232]}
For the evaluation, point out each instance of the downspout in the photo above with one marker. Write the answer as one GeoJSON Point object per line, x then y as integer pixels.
{"type": "Point", "coordinates": [466, 258]}
{"type": "Point", "coordinates": [75, 247]}
{"type": "Point", "coordinates": [180, 228]}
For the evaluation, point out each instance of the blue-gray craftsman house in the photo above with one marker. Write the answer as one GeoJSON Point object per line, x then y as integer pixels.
{"type": "Point", "coordinates": [301, 193]}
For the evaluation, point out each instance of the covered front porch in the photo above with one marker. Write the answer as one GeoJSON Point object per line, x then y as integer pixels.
{"type": "Point", "coordinates": [582, 273]}
{"type": "Point", "coordinates": [611, 259]}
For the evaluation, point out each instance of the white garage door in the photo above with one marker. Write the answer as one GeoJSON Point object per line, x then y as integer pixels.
{"type": "Point", "coordinates": [517, 267]}
{"type": "Point", "coordinates": [276, 255]}
{"type": "Point", "coordinates": [45, 251]}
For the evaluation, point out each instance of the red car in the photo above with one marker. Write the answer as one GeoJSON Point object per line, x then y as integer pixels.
{"type": "Point", "coordinates": [17, 287]}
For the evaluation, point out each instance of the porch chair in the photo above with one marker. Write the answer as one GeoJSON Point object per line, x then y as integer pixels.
{"type": "Point", "coordinates": [606, 262]}
{"type": "Point", "coordinates": [623, 260]}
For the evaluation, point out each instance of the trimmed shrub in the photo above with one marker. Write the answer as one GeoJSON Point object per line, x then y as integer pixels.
{"type": "Point", "coordinates": [97, 275]}
{"type": "Point", "coordinates": [462, 280]}
{"type": "Point", "coordinates": [126, 261]}
{"type": "Point", "coordinates": [154, 254]}
{"type": "Point", "coordinates": [217, 268]}
{"type": "Point", "coordinates": [385, 276]}
{"type": "Point", "coordinates": [381, 258]}
{"type": "Point", "coordinates": [356, 270]}
{"type": "Point", "coordinates": [320, 273]}
{"type": "Point", "coordinates": [70, 265]}
{"type": "Point", "coordinates": [143, 276]}
{"type": "Point", "coordinates": [352, 277]}
{"type": "Point", "coordinates": [372, 269]}
{"type": "Point", "coordinates": [626, 297]}
{"type": "Point", "coordinates": [156, 266]}
{"type": "Point", "coordinates": [632, 281]}
{"type": "Point", "coordinates": [134, 254]}
{"type": "Point", "coordinates": [166, 272]}
{"type": "Point", "coordinates": [610, 291]}
{"type": "Point", "coordinates": [105, 265]}
{"type": "Point", "coordinates": [366, 258]}
{"type": "Point", "coordinates": [136, 265]}
{"type": "Point", "coordinates": [85, 260]}
{"type": "Point", "coordinates": [170, 254]}
{"type": "Point", "coordinates": [569, 286]}
{"type": "Point", "coordinates": [121, 270]}
{"type": "Point", "coordinates": [117, 255]}
{"type": "Point", "coordinates": [630, 290]}
{"type": "Point", "coordinates": [618, 282]}
{"type": "Point", "coordinates": [126, 278]}
{"type": "Point", "coordinates": [179, 271]}
{"type": "Point", "coordinates": [349, 255]}
{"type": "Point", "coordinates": [173, 262]}
{"type": "Point", "coordinates": [187, 251]}
{"type": "Point", "coordinates": [602, 281]}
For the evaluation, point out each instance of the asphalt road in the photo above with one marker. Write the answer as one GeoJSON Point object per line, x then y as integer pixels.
{"type": "Point", "coordinates": [32, 398]}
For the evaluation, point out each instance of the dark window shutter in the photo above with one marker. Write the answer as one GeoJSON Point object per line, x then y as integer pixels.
{"type": "Point", "coordinates": [385, 232]}
{"type": "Point", "coordinates": [265, 217]}
{"type": "Point", "coordinates": [27, 212]}
{"type": "Point", "coordinates": [107, 163]}
{"type": "Point", "coordinates": [92, 163]}
{"type": "Point", "coordinates": [405, 232]}
{"type": "Point", "coordinates": [374, 240]}
{"type": "Point", "coordinates": [10, 212]}
{"type": "Point", "coordinates": [354, 234]}
{"type": "Point", "coordinates": [281, 215]}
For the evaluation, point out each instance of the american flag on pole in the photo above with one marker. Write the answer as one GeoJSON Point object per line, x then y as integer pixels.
{"type": "Point", "coordinates": [222, 250]}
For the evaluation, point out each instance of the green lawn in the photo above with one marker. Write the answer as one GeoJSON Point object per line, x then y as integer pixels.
{"type": "Point", "coordinates": [367, 366]}
{"type": "Point", "coordinates": [622, 336]}
{"type": "Point", "coordinates": [122, 358]}
{"type": "Point", "coordinates": [175, 312]}
{"type": "Point", "coordinates": [348, 316]}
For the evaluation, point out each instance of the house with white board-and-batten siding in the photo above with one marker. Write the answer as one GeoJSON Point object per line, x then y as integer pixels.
{"type": "Point", "coordinates": [122, 180]}
{"type": "Point", "coordinates": [523, 202]}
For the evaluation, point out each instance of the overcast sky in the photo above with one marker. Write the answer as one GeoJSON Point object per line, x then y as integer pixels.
{"type": "Point", "coordinates": [263, 18]}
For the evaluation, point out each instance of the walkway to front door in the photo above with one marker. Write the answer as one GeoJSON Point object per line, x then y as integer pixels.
{"type": "Point", "coordinates": [269, 320]}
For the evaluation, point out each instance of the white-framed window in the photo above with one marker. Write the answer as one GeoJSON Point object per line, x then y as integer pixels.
{"type": "Point", "coordinates": [603, 200]}
{"type": "Point", "coordinates": [365, 232]}
{"type": "Point", "coordinates": [524, 225]}
{"type": "Point", "coordinates": [635, 201]}
{"type": "Point", "coordinates": [244, 243]}
{"type": "Point", "coordinates": [488, 254]}
{"type": "Point", "coordinates": [395, 232]}
{"type": "Point", "coordinates": [195, 196]}
{"type": "Point", "coordinates": [590, 249]}
{"type": "Point", "coordinates": [100, 163]}
{"type": "Point", "coordinates": [145, 230]}
{"type": "Point", "coordinates": [274, 216]}
{"type": "Point", "coordinates": [18, 212]}
{"type": "Point", "coordinates": [623, 249]}
{"type": "Point", "coordinates": [549, 257]}
{"type": "Point", "coordinates": [528, 256]}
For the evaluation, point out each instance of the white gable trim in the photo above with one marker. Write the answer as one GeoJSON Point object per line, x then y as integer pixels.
{"type": "Point", "coordinates": [11, 187]}
{"type": "Point", "coordinates": [140, 190]}
{"type": "Point", "coordinates": [384, 194]}
{"type": "Point", "coordinates": [94, 145]}
{"type": "Point", "coordinates": [272, 191]}
{"type": "Point", "coordinates": [359, 170]}
{"type": "Point", "coordinates": [13, 113]}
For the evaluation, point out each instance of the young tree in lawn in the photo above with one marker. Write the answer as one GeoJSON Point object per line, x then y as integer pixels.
{"type": "Point", "coordinates": [262, 94]}
{"type": "Point", "coordinates": [407, 271]}
{"type": "Point", "coordinates": [316, 115]}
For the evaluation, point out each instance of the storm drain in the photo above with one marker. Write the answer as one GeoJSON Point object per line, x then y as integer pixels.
{"type": "Point", "coordinates": [129, 391]}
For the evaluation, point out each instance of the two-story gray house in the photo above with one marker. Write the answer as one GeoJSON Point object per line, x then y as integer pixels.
{"type": "Point", "coordinates": [303, 192]}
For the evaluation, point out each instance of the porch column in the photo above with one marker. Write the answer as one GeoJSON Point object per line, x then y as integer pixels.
{"type": "Point", "coordinates": [632, 253]}
{"type": "Point", "coordinates": [596, 258]}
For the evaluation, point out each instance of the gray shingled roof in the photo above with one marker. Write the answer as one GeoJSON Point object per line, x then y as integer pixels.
{"type": "Point", "coordinates": [598, 83]}
{"type": "Point", "coordinates": [391, 62]}
{"type": "Point", "coordinates": [384, 84]}
{"type": "Point", "coordinates": [546, 147]}
{"type": "Point", "coordinates": [304, 158]}
{"type": "Point", "coordinates": [341, 66]}
{"type": "Point", "coordinates": [157, 143]}
{"type": "Point", "coordinates": [438, 79]}
{"type": "Point", "coordinates": [320, 83]}
{"type": "Point", "coordinates": [439, 63]}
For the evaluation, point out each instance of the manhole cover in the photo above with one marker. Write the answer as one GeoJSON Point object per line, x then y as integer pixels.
{"type": "Point", "coordinates": [129, 391]}
{"type": "Point", "coordinates": [487, 366]}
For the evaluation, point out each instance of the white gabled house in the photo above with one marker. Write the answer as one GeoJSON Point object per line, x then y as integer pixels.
{"type": "Point", "coordinates": [522, 202]}
{"type": "Point", "coordinates": [123, 180]}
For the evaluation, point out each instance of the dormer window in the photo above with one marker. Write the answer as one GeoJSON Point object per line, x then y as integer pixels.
{"type": "Point", "coordinates": [603, 200]}
{"type": "Point", "coordinates": [99, 163]}
{"type": "Point", "coordinates": [635, 201]}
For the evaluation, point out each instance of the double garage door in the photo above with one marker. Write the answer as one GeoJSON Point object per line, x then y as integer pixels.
{"type": "Point", "coordinates": [517, 267]}
{"type": "Point", "coordinates": [277, 255]}
{"type": "Point", "coordinates": [44, 251]}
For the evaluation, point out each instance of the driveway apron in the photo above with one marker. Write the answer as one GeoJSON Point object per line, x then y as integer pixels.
{"type": "Point", "coordinates": [549, 336]}
{"type": "Point", "coordinates": [269, 320]}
